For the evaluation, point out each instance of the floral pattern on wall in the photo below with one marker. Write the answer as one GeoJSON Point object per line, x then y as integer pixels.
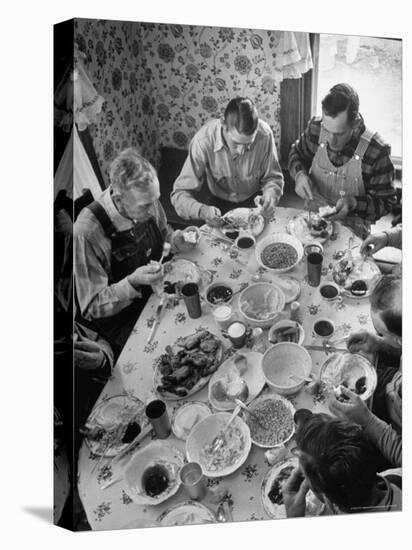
{"type": "Point", "coordinates": [163, 82]}
{"type": "Point", "coordinates": [115, 65]}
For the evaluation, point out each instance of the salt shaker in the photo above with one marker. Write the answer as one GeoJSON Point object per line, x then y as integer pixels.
{"type": "Point", "coordinates": [296, 312]}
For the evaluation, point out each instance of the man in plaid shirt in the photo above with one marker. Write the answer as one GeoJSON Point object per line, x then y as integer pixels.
{"type": "Point", "coordinates": [338, 161]}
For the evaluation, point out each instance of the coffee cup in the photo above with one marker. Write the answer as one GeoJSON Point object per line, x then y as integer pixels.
{"type": "Point", "coordinates": [245, 241]}
{"type": "Point", "coordinates": [324, 327]}
{"type": "Point", "coordinates": [330, 291]}
{"type": "Point", "coordinates": [237, 333]}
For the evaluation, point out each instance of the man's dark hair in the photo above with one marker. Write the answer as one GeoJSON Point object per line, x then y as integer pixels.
{"type": "Point", "coordinates": [339, 461]}
{"type": "Point", "coordinates": [384, 300]}
{"type": "Point", "coordinates": [340, 98]}
{"type": "Point", "coordinates": [242, 114]}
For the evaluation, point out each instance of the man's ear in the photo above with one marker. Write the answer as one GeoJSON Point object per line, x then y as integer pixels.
{"type": "Point", "coordinates": [356, 123]}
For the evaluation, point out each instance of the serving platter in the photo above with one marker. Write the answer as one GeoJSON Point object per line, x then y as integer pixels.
{"type": "Point", "coordinates": [179, 356]}
{"type": "Point", "coordinates": [186, 513]}
{"type": "Point", "coordinates": [112, 415]}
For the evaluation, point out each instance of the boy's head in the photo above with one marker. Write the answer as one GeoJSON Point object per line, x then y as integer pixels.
{"type": "Point", "coordinates": [338, 460]}
{"type": "Point", "coordinates": [386, 309]}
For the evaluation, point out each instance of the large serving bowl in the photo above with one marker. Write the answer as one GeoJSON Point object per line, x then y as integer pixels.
{"type": "Point", "coordinates": [204, 433]}
{"type": "Point", "coordinates": [267, 298]}
{"type": "Point", "coordinates": [282, 361]}
{"type": "Point", "coordinates": [283, 238]}
{"type": "Point", "coordinates": [276, 412]}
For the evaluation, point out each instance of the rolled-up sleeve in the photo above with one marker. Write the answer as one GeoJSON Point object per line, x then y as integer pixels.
{"type": "Point", "coordinates": [96, 297]}
{"type": "Point", "coordinates": [272, 179]}
{"type": "Point", "coordinates": [190, 181]}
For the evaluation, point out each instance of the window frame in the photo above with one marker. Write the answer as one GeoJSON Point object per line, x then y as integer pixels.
{"type": "Point", "coordinates": [298, 105]}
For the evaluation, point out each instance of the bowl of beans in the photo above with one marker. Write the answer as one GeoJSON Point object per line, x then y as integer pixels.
{"type": "Point", "coordinates": [270, 420]}
{"type": "Point", "coordinates": [279, 252]}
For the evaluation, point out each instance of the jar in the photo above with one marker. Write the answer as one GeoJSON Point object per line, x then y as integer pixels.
{"type": "Point", "coordinates": [223, 315]}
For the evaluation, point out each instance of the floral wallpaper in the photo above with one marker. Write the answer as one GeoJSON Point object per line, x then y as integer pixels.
{"type": "Point", "coordinates": [163, 82]}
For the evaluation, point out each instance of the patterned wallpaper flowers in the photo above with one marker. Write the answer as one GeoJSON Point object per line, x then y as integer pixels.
{"type": "Point", "coordinates": [163, 82]}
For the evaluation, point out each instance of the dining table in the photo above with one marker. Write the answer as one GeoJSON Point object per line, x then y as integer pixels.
{"type": "Point", "coordinates": [102, 488]}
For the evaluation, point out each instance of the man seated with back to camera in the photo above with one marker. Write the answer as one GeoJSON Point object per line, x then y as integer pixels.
{"type": "Point", "coordinates": [337, 461]}
{"type": "Point", "coordinates": [118, 241]}
{"type": "Point", "coordinates": [233, 160]}
{"type": "Point", "coordinates": [384, 423]}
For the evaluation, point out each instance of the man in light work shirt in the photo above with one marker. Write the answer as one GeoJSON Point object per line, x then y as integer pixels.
{"type": "Point", "coordinates": [236, 158]}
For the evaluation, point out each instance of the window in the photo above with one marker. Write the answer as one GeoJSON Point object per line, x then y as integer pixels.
{"type": "Point", "coordinates": [373, 66]}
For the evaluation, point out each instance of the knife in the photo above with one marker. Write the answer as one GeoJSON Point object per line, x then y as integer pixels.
{"type": "Point", "coordinates": [157, 318]}
{"type": "Point", "coordinates": [325, 348]}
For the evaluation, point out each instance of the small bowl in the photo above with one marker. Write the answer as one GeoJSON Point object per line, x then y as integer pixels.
{"type": "Point", "coordinates": [245, 236]}
{"type": "Point", "coordinates": [331, 284]}
{"type": "Point", "coordinates": [283, 360]}
{"type": "Point", "coordinates": [257, 294]}
{"type": "Point", "coordinates": [286, 323]}
{"type": "Point", "coordinates": [215, 285]}
{"type": "Point", "coordinates": [279, 238]}
{"type": "Point", "coordinates": [325, 320]}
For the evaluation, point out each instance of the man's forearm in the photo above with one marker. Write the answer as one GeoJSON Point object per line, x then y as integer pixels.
{"type": "Point", "coordinates": [388, 441]}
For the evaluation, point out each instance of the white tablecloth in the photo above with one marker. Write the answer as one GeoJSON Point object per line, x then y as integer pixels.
{"type": "Point", "coordinates": [112, 508]}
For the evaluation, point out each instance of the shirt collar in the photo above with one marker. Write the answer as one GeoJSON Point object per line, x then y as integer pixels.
{"type": "Point", "coordinates": [220, 142]}
{"type": "Point", "coordinates": [120, 222]}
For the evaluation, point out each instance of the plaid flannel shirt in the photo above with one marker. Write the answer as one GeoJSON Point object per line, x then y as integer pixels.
{"type": "Point", "coordinates": [377, 167]}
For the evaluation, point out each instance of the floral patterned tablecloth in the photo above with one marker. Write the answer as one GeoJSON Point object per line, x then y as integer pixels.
{"type": "Point", "coordinates": [112, 508]}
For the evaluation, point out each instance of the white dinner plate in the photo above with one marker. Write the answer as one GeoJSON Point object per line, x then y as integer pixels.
{"type": "Point", "coordinates": [241, 217]}
{"type": "Point", "coordinates": [186, 513]}
{"type": "Point", "coordinates": [253, 377]}
{"type": "Point", "coordinates": [110, 414]}
{"type": "Point", "coordinates": [314, 507]}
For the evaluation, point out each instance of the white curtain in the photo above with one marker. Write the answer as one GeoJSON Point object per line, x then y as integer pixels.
{"type": "Point", "coordinates": [291, 55]}
{"type": "Point", "coordinates": [75, 171]}
{"type": "Point", "coordinates": [77, 104]}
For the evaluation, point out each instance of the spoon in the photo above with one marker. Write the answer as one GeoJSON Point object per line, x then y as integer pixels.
{"type": "Point", "coordinates": [252, 414]}
{"type": "Point", "coordinates": [218, 440]}
{"type": "Point", "coordinates": [297, 378]}
{"type": "Point", "coordinates": [165, 253]}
